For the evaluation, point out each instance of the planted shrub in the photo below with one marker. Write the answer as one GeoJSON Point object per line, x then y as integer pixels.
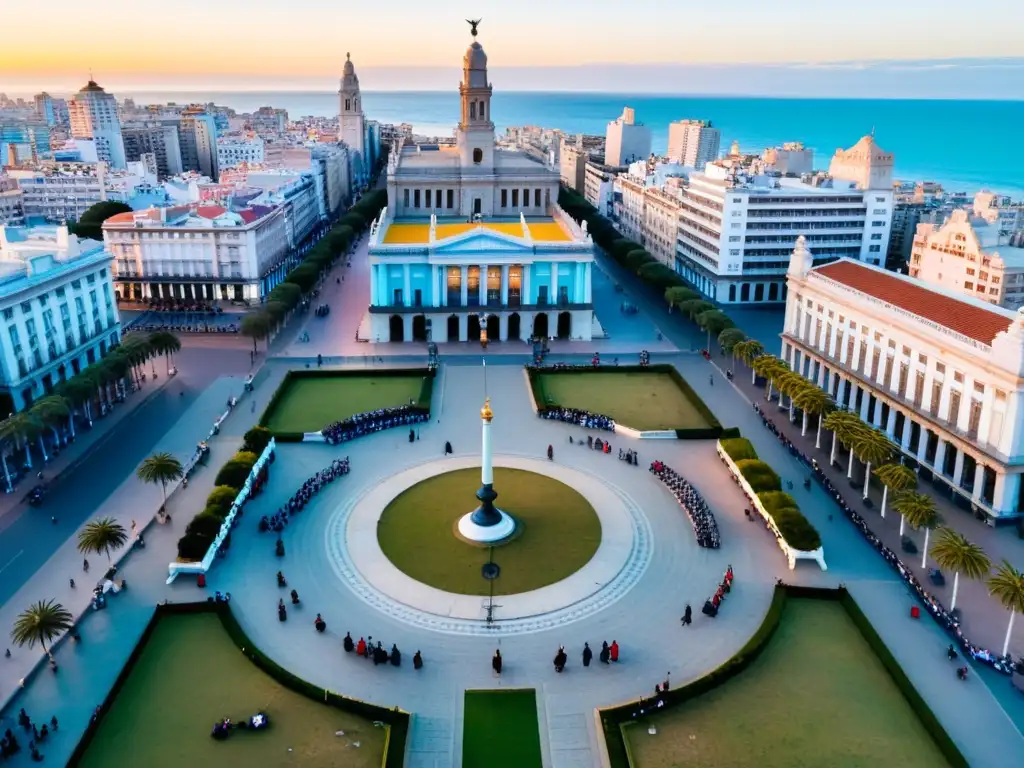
{"type": "Point", "coordinates": [245, 457]}
{"type": "Point", "coordinates": [256, 440]}
{"type": "Point", "coordinates": [233, 475]}
{"type": "Point", "coordinates": [738, 448]}
{"type": "Point", "coordinates": [794, 527]}
{"type": "Point", "coordinates": [221, 498]}
{"type": "Point", "coordinates": [759, 475]}
{"type": "Point", "coordinates": [192, 547]}
{"type": "Point", "coordinates": [205, 524]}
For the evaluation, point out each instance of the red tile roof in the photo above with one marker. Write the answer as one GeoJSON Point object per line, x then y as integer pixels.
{"type": "Point", "coordinates": [962, 317]}
{"type": "Point", "coordinates": [248, 215]}
{"type": "Point", "coordinates": [121, 218]}
{"type": "Point", "coordinates": [210, 211]}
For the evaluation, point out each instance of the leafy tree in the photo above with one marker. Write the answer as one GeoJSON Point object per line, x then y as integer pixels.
{"type": "Point", "coordinates": [677, 294]}
{"type": "Point", "coordinates": [769, 367]}
{"type": "Point", "coordinates": [791, 385]}
{"type": "Point", "coordinates": [100, 536]}
{"type": "Point", "coordinates": [42, 623]}
{"type": "Point", "coordinates": [872, 447]}
{"type": "Point", "coordinates": [192, 547]}
{"type": "Point", "coordinates": [952, 550]}
{"type": "Point", "coordinates": [51, 411]}
{"type": "Point", "coordinates": [256, 440]}
{"type": "Point", "coordinates": [221, 498]}
{"type": "Point", "coordinates": [713, 321]}
{"type": "Point", "coordinates": [91, 223]}
{"type": "Point", "coordinates": [842, 425]}
{"type": "Point", "coordinates": [160, 468]}
{"type": "Point", "coordinates": [694, 307]}
{"type": "Point", "coordinates": [896, 478]}
{"type": "Point", "coordinates": [814, 401]}
{"type": "Point", "coordinates": [659, 275]}
{"type": "Point", "coordinates": [636, 259]}
{"type": "Point", "coordinates": [304, 276]}
{"type": "Point", "coordinates": [748, 351]}
{"type": "Point", "coordinates": [355, 220]}
{"type": "Point", "coordinates": [288, 294]}
{"type": "Point", "coordinates": [233, 474]}
{"type": "Point", "coordinates": [918, 509]}
{"type": "Point", "coordinates": [256, 325]}
{"type": "Point", "coordinates": [1007, 585]}
{"type": "Point", "coordinates": [729, 338]}
{"type": "Point", "coordinates": [205, 524]}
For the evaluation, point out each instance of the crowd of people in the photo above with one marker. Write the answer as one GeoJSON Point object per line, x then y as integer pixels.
{"type": "Point", "coordinates": [10, 746]}
{"type": "Point", "coordinates": [938, 611]}
{"type": "Point", "coordinates": [304, 495]}
{"type": "Point", "coordinates": [323, 310]}
{"type": "Point", "coordinates": [712, 604]}
{"type": "Point", "coordinates": [578, 417]}
{"type": "Point", "coordinates": [378, 654]}
{"type": "Point", "coordinates": [372, 421]}
{"type": "Point", "coordinates": [701, 518]}
{"type": "Point", "coordinates": [222, 728]}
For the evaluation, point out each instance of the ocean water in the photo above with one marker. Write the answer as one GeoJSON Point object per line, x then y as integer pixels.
{"type": "Point", "coordinates": [965, 145]}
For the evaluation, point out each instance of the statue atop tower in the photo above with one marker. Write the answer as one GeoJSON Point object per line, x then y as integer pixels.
{"type": "Point", "coordinates": [475, 137]}
{"type": "Point", "coordinates": [351, 120]}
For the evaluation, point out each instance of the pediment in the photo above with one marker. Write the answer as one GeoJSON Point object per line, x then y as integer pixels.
{"type": "Point", "coordinates": [481, 239]}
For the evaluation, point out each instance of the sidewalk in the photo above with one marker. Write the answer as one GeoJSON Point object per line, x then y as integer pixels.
{"type": "Point", "coordinates": [13, 504]}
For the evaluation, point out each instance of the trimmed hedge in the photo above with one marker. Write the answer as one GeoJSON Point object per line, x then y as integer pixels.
{"type": "Point", "coordinates": [256, 440]}
{"type": "Point", "coordinates": [233, 474]}
{"type": "Point", "coordinates": [396, 720]}
{"type": "Point", "coordinates": [759, 475]}
{"type": "Point", "coordinates": [426, 390]}
{"type": "Point", "coordinates": [698, 433]}
{"type": "Point", "coordinates": [738, 448]}
{"type": "Point", "coordinates": [221, 498]}
{"type": "Point", "coordinates": [794, 527]}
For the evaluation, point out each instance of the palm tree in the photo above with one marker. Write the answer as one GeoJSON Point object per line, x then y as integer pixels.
{"type": "Point", "coordinates": [897, 478]}
{"type": "Point", "coordinates": [841, 424]}
{"type": "Point", "coordinates": [677, 294]}
{"type": "Point", "coordinates": [769, 367]}
{"type": "Point", "coordinates": [713, 321]}
{"type": "Point", "coordinates": [160, 468]}
{"type": "Point", "coordinates": [101, 536]}
{"type": "Point", "coordinates": [78, 391]}
{"type": "Point", "coordinates": [729, 338]}
{"type": "Point", "coordinates": [138, 350]}
{"type": "Point", "coordinates": [952, 550]}
{"type": "Point", "coordinates": [5, 444]}
{"type": "Point", "coordinates": [814, 401]}
{"type": "Point", "coordinates": [165, 343]}
{"type": "Point", "coordinates": [748, 351]}
{"type": "Point", "coordinates": [918, 509]}
{"type": "Point", "coordinates": [872, 447]}
{"type": "Point", "coordinates": [1007, 584]}
{"type": "Point", "coordinates": [41, 623]}
{"type": "Point", "coordinates": [256, 325]}
{"type": "Point", "coordinates": [693, 307]}
{"type": "Point", "coordinates": [14, 429]}
{"type": "Point", "coordinates": [50, 411]}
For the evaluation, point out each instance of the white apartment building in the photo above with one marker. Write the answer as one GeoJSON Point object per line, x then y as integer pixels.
{"type": "Point", "coordinates": [628, 204]}
{"type": "Point", "coordinates": [57, 303]}
{"type": "Point", "coordinates": [94, 116]}
{"type": "Point", "coordinates": [791, 159]}
{"type": "Point", "coordinates": [736, 231]}
{"type": "Point", "coordinates": [693, 143]}
{"type": "Point", "coordinates": [662, 210]}
{"type": "Point", "coordinates": [159, 139]}
{"type": "Point", "coordinates": [59, 192]}
{"type": "Point", "coordinates": [626, 140]}
{"type": "Point", "coordinates": [598, 182]}
{"type": "Point", "coordinates": [12, 202]}
{"type": "Point", "coordinates": [232, 152]}
{"type": "Point", "coordinates": [942, 374]}
{"type": "Point", "coordinates": [205, 253]}
{"type": "Point", "coordinates": [998, 210]}
{"type": "Point", "coordinates": [971, 258]}
{"type": "Point", "coordinates": [297, 192]}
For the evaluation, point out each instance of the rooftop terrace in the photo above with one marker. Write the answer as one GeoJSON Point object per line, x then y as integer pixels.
{"type": "Point", "coordinates": [542, 229]}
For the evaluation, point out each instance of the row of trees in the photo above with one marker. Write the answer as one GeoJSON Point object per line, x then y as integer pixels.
{"type": "Point", "coordinates": [873, 448]}
{"type": "Point", "coordinates": [99, 383]}
{"type": "Point", "coordinates": [262, 322]}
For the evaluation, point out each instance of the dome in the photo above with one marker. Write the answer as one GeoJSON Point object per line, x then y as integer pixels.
{"type": "Point", "coordinates": [475, 57]}
{"type": "Point", "coordinates": [91, 86]}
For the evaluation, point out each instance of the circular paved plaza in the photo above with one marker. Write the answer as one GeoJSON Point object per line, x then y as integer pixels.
{"type": "Point", "coordinates": [633, 590]}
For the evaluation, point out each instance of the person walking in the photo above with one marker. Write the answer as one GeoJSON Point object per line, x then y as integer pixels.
{"type": "Point", "coordinates": [496, 663]}
{"type": "Point", "coordinates": [587, 654]}
{"type": "Point", "coordinates": [687, 618]}
{"type": "Point", "coordinates": [614, 650]}
{"type": "Point", "coordinates": [560, 659]}
{"type": "Point", "coordinates": [551, 453]}
{"type": "Point", "coordinates": [605, 652]}
{"type": "Point", "coordinates": [72, 583]}
{"type": "Point", "coordinates": [85, 565]}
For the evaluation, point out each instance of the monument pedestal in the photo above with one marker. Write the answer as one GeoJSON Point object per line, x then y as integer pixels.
{"type": "Point", "coordinates": [487, 534]}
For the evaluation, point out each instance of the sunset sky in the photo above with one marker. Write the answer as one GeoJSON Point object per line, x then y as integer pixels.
{"type": "Point", "coordinates": [269, 44]}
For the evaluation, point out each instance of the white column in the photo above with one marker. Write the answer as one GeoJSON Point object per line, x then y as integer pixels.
{"type": "Point", "coordinates": [524, 290]}
{"type": "Point", "coordinates": [958, 468]}
{"type": "Point", "coordinates": [865, 401]}
{"type": "Point", "coordinates": [374, 292]}
{"type": "Point", "coordinates": [465, 291]}
{"type": "Point", "coordinates": [922, 444]}
{"type": "Point", "coordinates": [553, 284]}
{"type": "Point", "coordinates": [435, 291]}
{"type": "Point", "coordinates": [385, 297]}
{"type": "Point", "coordinates": [503, 326]}
{"type": "Point", "coordinates": [463, 326]}
{"type": "Point", "coordinates": [1007, 491]}
{"type": "Point", "coordinates": [963, 417]}
{"type": "Point", "coordinates": [504, 285]}
{"type": "Point", "coordinates": [987, 405]}
{"type": "Point", "coordinates": [908, 427]}
{"type": "Point", "coordinates": [483, 285]}
{"type": "Point", "coordinates": [587, 286]}
{"type": "Point", "coordinates": [486, 467]}
{"type": "Point", "coordinates": [979, 481]}
{"type": "Point", "coordinates": [890, 427]}
{"type": "Point", "coordinates": [407, 284]}
{"type": "Point", "coordinates": [444, 286]}
{"type": "Point", "coordinates": [940, 455]}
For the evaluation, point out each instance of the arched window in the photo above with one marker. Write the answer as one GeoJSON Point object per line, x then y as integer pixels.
{"type": "Point", "coordinates": [478, 155]}
{"type": "Point", "coordinates": [472, 110]}
{"type": "Point", "coordinates": [482, 115]}
{"type": "Point", "coordinates": [348, 104]}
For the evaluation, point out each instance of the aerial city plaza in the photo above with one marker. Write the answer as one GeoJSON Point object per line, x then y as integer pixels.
{"type": "Point", "coordinates": [528, 449]}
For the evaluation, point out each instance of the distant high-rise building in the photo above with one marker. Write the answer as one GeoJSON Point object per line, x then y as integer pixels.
{"type": "Point", "coordinates": [158, 139]}
{"type": "Point", "coordinates": [29, 142]}
{"type": "Point", "coordinates": [791, 159]}
{"type": "Point", "coordinates": [352, 121]}
{"type": "Point", "coordinates": [94, 116]}
{"type": "Point", "coordinates": [197, 135]}
{"type": "Point", "coordinates": [693, 142]}
{"type": "Point", "coordinates": [626, 140]}
{"type": "Point", "coordinates": [267, 120]}
{"type": "Point", "coordinates": [865, 164]}
{"type": "Point", "coordinates": [44, 107]}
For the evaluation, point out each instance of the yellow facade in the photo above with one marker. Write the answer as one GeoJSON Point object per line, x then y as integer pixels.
{"type": "Point", "coordinates": [408, 233]}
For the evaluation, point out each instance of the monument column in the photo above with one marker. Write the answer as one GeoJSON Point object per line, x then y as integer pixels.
{"type": "Point", "coordinates": [486, 524]}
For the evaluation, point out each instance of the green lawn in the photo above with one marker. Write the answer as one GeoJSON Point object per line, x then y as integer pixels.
{"type": "Point", "coordinates": [817, 696]}
{"type": "Point", "coordinates": [190, 675]}
{"type": "Point", "coordinates": [644, 401]}
{"type": "Point", "coordinates": [560, 532]}
{"type": "Point", "coordinates": [309, 405]}
{"type": "Point", "coordinates": [500, 730]}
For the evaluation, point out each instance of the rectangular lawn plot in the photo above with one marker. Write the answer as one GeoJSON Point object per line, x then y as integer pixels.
{"type": "Point", "coordinates": [310, 404]}
{"type": "Point", "coordinates": [641, 400]}
{"type": "Point", "coordinates": [816, 696]}
{"type": "Point", "coordinates": [500, 730]}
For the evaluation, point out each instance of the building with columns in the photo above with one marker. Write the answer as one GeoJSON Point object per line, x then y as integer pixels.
{"type": "Point", "coordinates": [473, 244]}
{"type": "Point", "coordinates": [352, 123]}
{"type": "Point", "coordinates": [939, 372]}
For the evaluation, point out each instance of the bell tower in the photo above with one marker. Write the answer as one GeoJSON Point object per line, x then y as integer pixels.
{"type": "Point", "coordinates": [475, 137]}
{"type": "Point", "coordinates": [351, 121]}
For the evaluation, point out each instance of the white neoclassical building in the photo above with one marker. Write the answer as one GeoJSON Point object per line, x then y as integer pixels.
{"type": "Point", "coordinates": [941, 373]}
{"type": "Point", "coordinates": [473, 243]}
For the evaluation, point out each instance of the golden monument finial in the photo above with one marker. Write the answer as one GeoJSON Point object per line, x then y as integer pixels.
{"type": "Point", "coordinates": [486, 413]}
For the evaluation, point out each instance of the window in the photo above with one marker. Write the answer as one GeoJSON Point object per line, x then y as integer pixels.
{"type": "Point", "coordinates": [515, 198]}
{"type": "Point", "coordinates": [8, 314]}
{"type": "Point", "coordinates": [504, 198]}
{"type": "Point", "coordinates": [876, 236]}
{"type": "Point", "coordinates": [878, 223]}
{"type": "Point", "coordinates": [536, 198]}
{"type": "Point", "coordinates": [970, 271]}
{"type": "Point", "coordinates": [416, 198]}
{"type": "Point", "coordinates": [478, 155]}
{"type": "Point", "coordinates": [969, 286]}
{"type": "Point", "coordinates": [428, 198]}
{"type": "Point", "coordinates": [874, 248]}
{"type": "Point", "coordinates": [451, 198]}
{"type": "Point", "coordinates": [405, 195]}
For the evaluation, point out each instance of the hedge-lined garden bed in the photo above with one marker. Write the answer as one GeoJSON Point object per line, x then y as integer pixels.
{"type": "Point", "coordinates": [620, 722]}
{"type": "Point", "coordinates": [309, 400]}
{"type": "Point", "coordinates": [396, 721]}
{"type": "Point", "coordinates": [794, 528]}
{"type": "Point", "coordinates": [626, 393]}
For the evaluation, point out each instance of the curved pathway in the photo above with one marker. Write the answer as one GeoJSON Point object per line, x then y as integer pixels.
{"type": "Point", "coordinates": [646, 624]}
